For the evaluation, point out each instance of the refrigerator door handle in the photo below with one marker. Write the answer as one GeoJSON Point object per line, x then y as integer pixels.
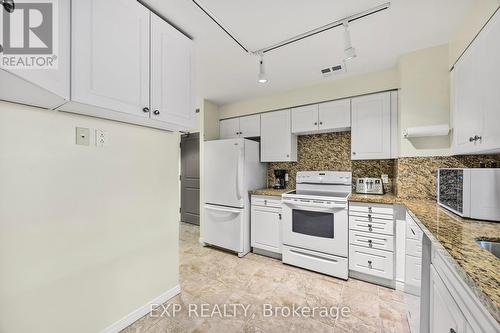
{"type": "Point", "coordinates": [239, 175]}
{"type": "Point", "coordinates": [223, 209]}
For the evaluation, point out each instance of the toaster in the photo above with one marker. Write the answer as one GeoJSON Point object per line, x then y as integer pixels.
{"type": "Point", "coordinates": [369, 186]}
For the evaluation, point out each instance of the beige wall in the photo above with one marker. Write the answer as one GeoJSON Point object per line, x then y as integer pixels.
{"type": "Point", "coordinates": [424, 99]}
{"type": "Point", "coordinates": [473, 23]}
{"type": "Point", "coordinates": [334, 89]}
{"type": "Point", "coordinates": [87, 234]}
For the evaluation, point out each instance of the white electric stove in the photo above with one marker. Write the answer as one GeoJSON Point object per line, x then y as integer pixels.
{"type": "Point", "coordinates": [315, 222]}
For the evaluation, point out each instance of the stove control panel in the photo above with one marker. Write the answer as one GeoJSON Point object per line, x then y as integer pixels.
{"type": "Point", "coordinates": [324, 177]}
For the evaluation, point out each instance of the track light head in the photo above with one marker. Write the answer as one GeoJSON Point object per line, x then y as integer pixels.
{"type": "Point", "coordinates": [262, 71]}
{"type": "Point", "coordinates": [349, 51]}
{"type": "Point", "coordinates": [8, 5]}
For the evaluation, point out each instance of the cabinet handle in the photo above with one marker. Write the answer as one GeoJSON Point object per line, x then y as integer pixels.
{"type": "Point", "coordinates": [480, 138]}
{"type": "Point", "coordinates": [354, 153]}
{"type": "Point", "coordinates": [145, 109]}
{"type": "Point", "coordinates": [279, 215]}
{"type": "Point", "coordinates": [369, 209]}
{"type": "Point", "coordinates": [370, 217]}
{"type": "Point", "coordinates": [471, 139]}
{"type": "Point", "coordinates": [452, 330]}
{"type": "Point", "coordinates": [315, 124]}
{"type": "Point", "coordinates": [369, 264]}
{"type": "Point", "coordinates": [156, 112]}
{"type": "Point", "coordinates": [370, 227]}
{"type": "Point", "coordinates": [321, 123]}
{"type": "Point", "coordinates": [287, 155]}
{"type": "Point", "coordinates": [370, 243]}
{"type": "Point", "coordinates": [265, 202]}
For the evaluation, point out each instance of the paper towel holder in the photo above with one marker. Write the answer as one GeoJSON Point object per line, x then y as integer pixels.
{"type": "Point", "coordinates": [426, 131]}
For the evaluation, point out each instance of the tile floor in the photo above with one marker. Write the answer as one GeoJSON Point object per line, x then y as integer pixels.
{"type": "Point", "coordinates": [210, 276]}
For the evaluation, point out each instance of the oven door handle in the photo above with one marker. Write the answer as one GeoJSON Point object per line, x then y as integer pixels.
{"type": "Point", "coordinates": [314, 205]}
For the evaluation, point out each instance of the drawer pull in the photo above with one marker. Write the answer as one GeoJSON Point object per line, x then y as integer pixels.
{"type": "Point", "coordinates": [370, 217]}
{"type": "Point", "coordinates": [413, 232]}
{"type": "Point", "coordinates": [279, 215]}
{"type": "Point", "coordinates": [370, 227]}
{"type": "Point", "coordinates": [369, 264]}
{"type": "Point", "coordinates": [370, 243]}
{"type": "Point", "coordinates": [452, 330]}
{"type": "Point", "coordinates": [265, 202]}
{"type": "Point", "coordinates": [369, 209]}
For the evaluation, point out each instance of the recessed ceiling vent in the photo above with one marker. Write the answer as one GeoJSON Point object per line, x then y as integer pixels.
{"type": "Point", "coordinates": [329, 71]}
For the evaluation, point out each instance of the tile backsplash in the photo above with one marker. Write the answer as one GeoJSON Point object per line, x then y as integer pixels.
{"type": "Point", "coordinates": [331, 151]}
{"type": "Point", "coordinates": [409, 177]}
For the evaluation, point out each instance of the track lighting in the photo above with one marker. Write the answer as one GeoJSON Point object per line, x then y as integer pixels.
{"type": "Point", "coordinates": [8, 5]}
{"type": "Point", "coordinates": [349, 51]}
{"type": "Point", "coordinates": [262, 71]}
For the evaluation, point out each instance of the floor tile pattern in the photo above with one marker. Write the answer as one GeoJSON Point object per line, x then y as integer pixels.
{"type": "Point", "coordinates": [214, 277]}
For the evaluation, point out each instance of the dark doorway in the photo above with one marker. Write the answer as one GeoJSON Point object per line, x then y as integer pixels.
{"type": "Point", "coordinates": [190, 178]}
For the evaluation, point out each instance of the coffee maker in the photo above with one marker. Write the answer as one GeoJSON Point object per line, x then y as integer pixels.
{"type": "Point", "coordinates": [280, 179]}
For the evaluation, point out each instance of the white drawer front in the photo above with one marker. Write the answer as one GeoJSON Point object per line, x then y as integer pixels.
{"type": "Point", "coordinates": [413, 271]}
{"type": "Point", "coordinates": [414, 247]}
{"type": "Point", "coordinates": [413, 231]}
{"type": "Point", "coordinates": [371, 225]}
{"type": "Point", "coordinates": [371, 208]}
{"type": "Point", "coordinates": [266, 201]}
{"type": "Point", "coordinates": [370, 261]}
{"type": "Point", "coordinates": [371, 240]}
{"type": "Point", "coordinates": [316, 261]}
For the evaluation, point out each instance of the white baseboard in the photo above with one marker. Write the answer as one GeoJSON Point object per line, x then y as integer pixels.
{"type": "Point", "coordinates": [142, 311]}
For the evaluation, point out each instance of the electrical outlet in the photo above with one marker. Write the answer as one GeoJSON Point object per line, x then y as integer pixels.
{"type": "Point", "coordinates": [82, 136]}
{"type": "Point", "coordinates": [100, 138]}
{"type": "Point", "coordinates": [385, 179]}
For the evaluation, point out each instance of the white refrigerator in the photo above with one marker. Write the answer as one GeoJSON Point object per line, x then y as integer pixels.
{"type": "Point", "coordinates": [232, 168]}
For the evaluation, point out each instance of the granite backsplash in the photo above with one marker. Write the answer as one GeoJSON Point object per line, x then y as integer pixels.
{"type": "Point", "coordinates": [331, 151]}
{"type": "Point", "coordinates": [409, 177]}
{"type": "Point", "coordinates": [416, 176]}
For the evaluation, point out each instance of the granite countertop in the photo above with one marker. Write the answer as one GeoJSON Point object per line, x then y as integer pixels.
{"type": "Point", "coordinates": [269, 192]}
{"type": "Point", "coordinates": [454, 237]}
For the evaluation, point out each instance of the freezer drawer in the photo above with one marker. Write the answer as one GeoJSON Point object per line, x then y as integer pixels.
{"type": "Point", "coordinates": [372, 262]}
{"type": "Point", "coordinates": [371, 240]}
{"type": "Point", "coordinates": [316, 261]}
{"type": "Point", "coordinates": [223, 227]}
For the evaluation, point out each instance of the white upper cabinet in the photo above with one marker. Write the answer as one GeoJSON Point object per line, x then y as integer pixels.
{"type": "Point", "coordinates": [277, 143]}
{"type": "Point", "coordinates": [229, 128]}
{"type": "Point", "coordinates": [335, 116]}
{"type": "Point", "coordinates": [172, 75]}
{"type": "Point", "coordinates": [326, 117]}
{"type": "Point", "coordinates": [110, 55]}
{"type": "Point", "coordinates": [476, 104]}
{"type": "Point", "coordinates": [371, 127]}
{"type": "Point", "coordinates": [305, 119]}
{"type": "Point", "coordinates": [47, 88]}
{"type": "Point", "coordinates": [243, 127]}
{"type": "Point", "coordinates": [250, 126]}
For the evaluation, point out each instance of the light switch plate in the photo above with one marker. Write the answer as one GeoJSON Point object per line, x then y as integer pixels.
{"type": "Point", "coordinates": [82, 136]}
{"type": "Point", "coordinates": [385, 179]}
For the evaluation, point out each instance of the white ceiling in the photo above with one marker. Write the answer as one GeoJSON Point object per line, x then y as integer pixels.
{"type": "Point", "coordinates": [226, 73]}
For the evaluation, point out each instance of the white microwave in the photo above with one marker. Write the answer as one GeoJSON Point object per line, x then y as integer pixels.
{"type": "Point", "coordinates": [471, 193]}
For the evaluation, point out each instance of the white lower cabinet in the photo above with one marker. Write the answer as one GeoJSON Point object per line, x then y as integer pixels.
{"type": "Point", "coordinates": [371, 242]}
{"type": "Point", "coordinates": [445, 315]}
{"type": "Point", "coordinates": [266, 224]}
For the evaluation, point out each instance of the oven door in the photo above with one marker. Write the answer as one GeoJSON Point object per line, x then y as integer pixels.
{"type": "Point", "coordinates": [317, 227]}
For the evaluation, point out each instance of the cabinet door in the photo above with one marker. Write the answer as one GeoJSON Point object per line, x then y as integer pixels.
{"type": "Point", "coordinates": [229, 128]}
{"type": "Point", "coordinates": [305, 119]}
{"type": "Point", "coordinates": [277, 144]}
{"type": "Point", "coordinates": [172, 75]}
{"type": "Point", "coordinates": [250, 126]}
{"type": "Point", "coordinates": [110, 55]}
{"type": "Point", "coordinates": [487, 53]}
{"type": "Point", "coordinates": [466, 115]}
{"type": "Point", "coordinates": [445, 315]}
{"type": "Point", "coordinates": [55, 81]}
{"type": "Point", "coordinates": [371, 127]}
{"type": "Point", "coordinates": [335, 115]}
{"type": "Point", "coordinates": [266, 229]}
